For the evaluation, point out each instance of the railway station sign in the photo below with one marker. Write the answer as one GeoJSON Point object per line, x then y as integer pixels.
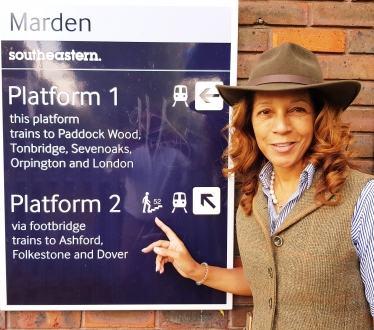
{"type": "Point", "coordinates": [110, 118]}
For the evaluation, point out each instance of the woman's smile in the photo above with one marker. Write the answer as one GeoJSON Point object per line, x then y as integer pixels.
{"type": "Point", "coordinates": [283, 124]}
{"type": "Point", "coordinates": [283, 147]}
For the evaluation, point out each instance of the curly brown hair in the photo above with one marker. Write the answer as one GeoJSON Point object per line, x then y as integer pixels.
{"type": "Point", "coordinates": [329, 150]}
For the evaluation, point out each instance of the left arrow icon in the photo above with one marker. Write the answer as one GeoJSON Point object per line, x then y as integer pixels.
{"type": "Point", "coordinates": [204, 95]}
{"type": "Point", "coordinates": [207, 97]}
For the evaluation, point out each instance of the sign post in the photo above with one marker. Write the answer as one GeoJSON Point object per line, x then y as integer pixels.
{"type": "Point", "coordinates": [111, 117]}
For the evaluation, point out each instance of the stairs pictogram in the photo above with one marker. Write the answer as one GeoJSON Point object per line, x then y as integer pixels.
{"type": "Point", "coordinates": [155, 208]}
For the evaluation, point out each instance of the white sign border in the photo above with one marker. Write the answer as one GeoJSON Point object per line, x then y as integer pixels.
{"type": "Point", "coordinates": [231, 5]}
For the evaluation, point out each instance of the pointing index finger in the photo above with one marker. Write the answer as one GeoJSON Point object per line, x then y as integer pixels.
{"type": "Point", "coordinates": [167, 230]}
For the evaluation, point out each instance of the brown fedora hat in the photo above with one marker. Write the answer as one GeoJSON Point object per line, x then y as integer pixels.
{"type": "Point", "coordinates": [291, 67]}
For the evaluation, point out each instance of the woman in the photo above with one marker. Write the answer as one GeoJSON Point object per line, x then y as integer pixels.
{"type": "Point", "coordinates": [305, 221]}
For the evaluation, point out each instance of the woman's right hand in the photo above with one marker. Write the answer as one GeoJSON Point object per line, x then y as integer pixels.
{"type": "Point", "coordinates": [175, 252]}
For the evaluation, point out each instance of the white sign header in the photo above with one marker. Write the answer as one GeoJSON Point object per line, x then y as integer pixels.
{"type": "Point", "coordinates": [125, 21]}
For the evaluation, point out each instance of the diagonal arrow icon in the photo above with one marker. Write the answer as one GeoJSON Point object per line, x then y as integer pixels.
{"type": "Point", "coordinates": [204, 95]}
{"type": "Point", "coordinates": [204, 198]}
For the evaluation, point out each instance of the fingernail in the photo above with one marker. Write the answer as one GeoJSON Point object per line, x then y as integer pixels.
{"type": "Point", "coordinates": [156, 249]}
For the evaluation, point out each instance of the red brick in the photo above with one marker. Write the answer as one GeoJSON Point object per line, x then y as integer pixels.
{"type": "Point", "coordinates": [361, 41]}
{"type": "Point", "coordinates": [245, 64]}
{"type": "Point", "coordinates": [361, 119]}
{"type": "Point", "coordinates": [119, 319]}
{"type": "Point", "coordinates": [366, 95]}
{"type": "Point", "coordinates": [252, 39]}
{"type": "Point", "coordinates": [238, 316]}
{"type": "Point", "coordinates": [2, 320]}
{"type": "Point", "coordinates": [44, 320]}
{"type": "Point", "coordinates": [366, 165]}
{"type": "Point", "coordinates": [347, 66]}
{"type": "Point", "coordinates": [333, 66]}
{"type": "Point", "coordinates": [193, 319]}
{"type": "Point", "coordinates": [243, 300]}
{"type": "Point", "coordinates": [319, 40]}
{"type": "Point", "coordinates": [342, 14]}
{"type": "Point", "coordinates": [274, 13]}
{"type": "Point", "coordinates": [364, 145]}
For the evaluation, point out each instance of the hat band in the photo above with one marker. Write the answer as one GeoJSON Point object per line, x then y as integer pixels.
{"type": "Point", "coordinates": [280, 78]}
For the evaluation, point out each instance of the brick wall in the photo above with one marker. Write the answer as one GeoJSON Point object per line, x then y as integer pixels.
{"type": "Point", "coordinates": [342, 35]}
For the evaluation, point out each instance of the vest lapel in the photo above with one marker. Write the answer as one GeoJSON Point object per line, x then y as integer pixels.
{"type": "Point", "coordinates": [261, 215]}
{"type": "Point", "coordinates": [260, 209]}
{"type": "Point", "coordinates": [304, 206]}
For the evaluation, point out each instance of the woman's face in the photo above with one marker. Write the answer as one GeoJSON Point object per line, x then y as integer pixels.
{"type": "Point", "coordinates": [283, 126]}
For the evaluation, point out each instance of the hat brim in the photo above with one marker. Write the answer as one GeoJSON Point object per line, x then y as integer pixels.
{"type": "Point", "coordinates": [338, 94]}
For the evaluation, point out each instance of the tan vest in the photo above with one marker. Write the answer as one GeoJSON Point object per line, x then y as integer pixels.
{"type": "Point", "coordinates": [305, 276]}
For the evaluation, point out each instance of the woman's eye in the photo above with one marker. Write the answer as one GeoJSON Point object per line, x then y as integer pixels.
{"type": "Point", "coordinates": [298, 111]}
{"type": "Point", "coordinates": [263, 112]}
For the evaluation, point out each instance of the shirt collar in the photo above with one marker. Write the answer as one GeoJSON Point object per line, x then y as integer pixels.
{"type": "Point", "coordinates": [306, 175]}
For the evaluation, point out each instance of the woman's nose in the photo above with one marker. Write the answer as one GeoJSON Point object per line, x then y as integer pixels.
{"type": "Point", "coordinates": [281, 123]}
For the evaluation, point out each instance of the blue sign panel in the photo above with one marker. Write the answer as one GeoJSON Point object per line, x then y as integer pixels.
{"type": "Point", "coordinates": [99, 138]}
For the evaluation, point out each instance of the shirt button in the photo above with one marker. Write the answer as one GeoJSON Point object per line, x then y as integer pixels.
{"type": "Point", "coordinates": [270, 303]}
{"type": "Point", "coordinates": [270, 271]}
{"type": "Point", "coordinates": [278, 241]}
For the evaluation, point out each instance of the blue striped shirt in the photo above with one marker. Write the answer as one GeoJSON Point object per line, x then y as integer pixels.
{"type": "Point", "coordinates": [362, 227]}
